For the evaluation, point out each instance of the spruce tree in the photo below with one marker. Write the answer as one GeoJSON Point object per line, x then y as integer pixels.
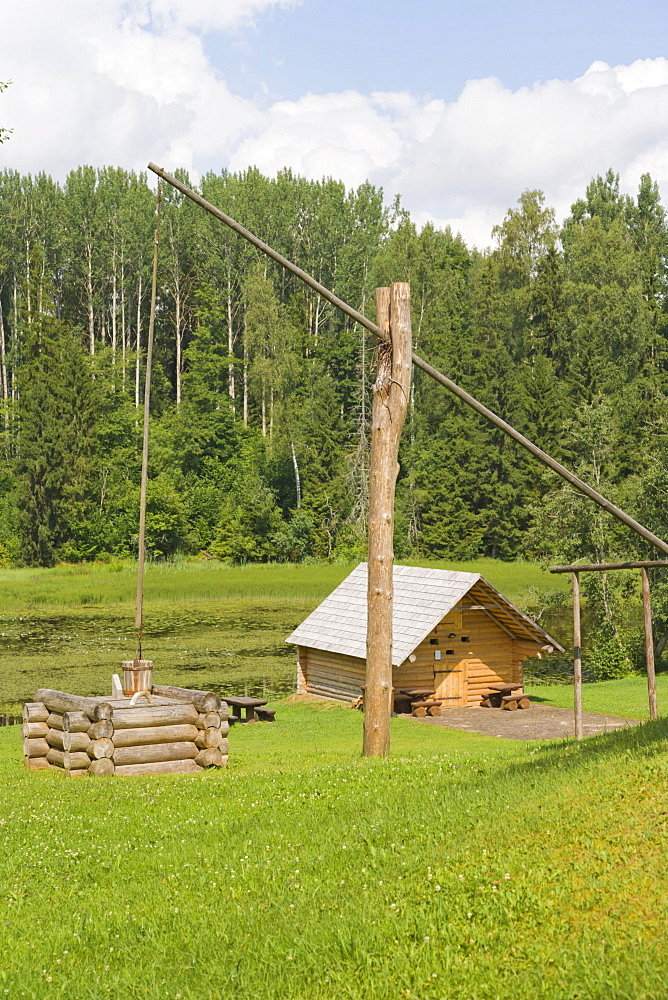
{"type": "Point", "coordinates": [56, 462]}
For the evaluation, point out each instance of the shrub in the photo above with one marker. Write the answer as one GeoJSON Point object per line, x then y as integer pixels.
{"type": "Point", "coordinates": [610, 656]}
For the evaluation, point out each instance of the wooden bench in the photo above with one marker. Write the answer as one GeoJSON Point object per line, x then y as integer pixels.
{"type": "Point", "coordinates": [266, 714]}
{"type": "Point", "coordinates": [514, 701]}
{"type": "Point", "coordinates": [429, 705]}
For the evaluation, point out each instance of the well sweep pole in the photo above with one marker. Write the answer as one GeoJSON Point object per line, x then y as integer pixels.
{"type": "Point", "coordinates": [577, 657]}
{"type": "Point", "coordinates": [419, 363]}
{"type": "Point", "coordinates": [139, 607]}
{"type": "Point", "coordinates": [390, 402]}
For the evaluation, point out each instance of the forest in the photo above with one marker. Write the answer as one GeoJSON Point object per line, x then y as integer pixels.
{"type": "Point", "coordinates": [261, 390]}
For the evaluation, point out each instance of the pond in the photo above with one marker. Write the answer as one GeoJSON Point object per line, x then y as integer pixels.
{"type": "Point", "coordinates": [234, 647]}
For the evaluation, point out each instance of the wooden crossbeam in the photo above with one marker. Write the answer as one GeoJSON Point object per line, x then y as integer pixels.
{"type": "Point", "coordinates": [604, 567]}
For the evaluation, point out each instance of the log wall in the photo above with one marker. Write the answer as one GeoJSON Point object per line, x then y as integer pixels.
{"type": "Point", "coordinates": [333, 675]}
{"type": "Point", "coordinates": [71, 734]}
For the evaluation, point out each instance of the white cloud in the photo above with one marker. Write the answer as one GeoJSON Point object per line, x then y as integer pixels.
{"type": "Point", "coordinates": [119, 83]}
{"type": "Point", "coordinates": [126, 81]}
{"type": "Point", "coordinates": [465, 162]}
{"type": "Point", "coordinates": [342, 135]}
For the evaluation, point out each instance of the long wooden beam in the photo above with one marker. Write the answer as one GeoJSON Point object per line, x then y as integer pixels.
{"type": "Point", "coordinates": [438, 376]}
{"type": "Point", "coordinates": [141, 549]}
{"type": "Point", "coordinates": [604, 567]}
{"type": "Point", "coordinates": [649, 645]}
{"type": "Point", "coordinates": [542, 456]}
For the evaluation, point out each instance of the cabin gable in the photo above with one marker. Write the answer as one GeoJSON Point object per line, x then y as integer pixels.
{"type": "Point", "coordinates": [490, 655]}
{"type": "Point", "coordinates": [462, 656]}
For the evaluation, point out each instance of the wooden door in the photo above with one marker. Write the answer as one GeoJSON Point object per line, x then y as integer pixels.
{"type": "Point", "coordinates": [450, 682]}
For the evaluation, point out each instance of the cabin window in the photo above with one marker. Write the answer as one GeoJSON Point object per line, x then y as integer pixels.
{"type": "Point", "coordinates": [465, 638]}
{"type": "Point", "coordinates": [452, 635]}
{"type": "Point", "coordinates": [449, 652]}
{"type": "Point", "coordinates": [433, 642]}
{"type": "Point", "coordinates": [437, 654]}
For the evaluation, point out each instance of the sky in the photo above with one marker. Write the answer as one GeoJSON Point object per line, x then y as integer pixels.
{"type": "Point", "coordinates": [458, 106]}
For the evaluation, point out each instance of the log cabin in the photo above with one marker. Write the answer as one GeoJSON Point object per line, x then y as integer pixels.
{"type": "Point", "coordinates": [453, 634]}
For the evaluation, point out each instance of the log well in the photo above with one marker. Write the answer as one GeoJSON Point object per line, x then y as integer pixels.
{"type": "Point", "coordinates": [204, 701]}
{"type": "Point", "coordinates": [103, 737]}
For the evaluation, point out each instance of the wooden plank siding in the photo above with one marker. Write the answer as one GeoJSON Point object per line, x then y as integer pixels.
{"type": "Point", "coordinates": [490, 656]}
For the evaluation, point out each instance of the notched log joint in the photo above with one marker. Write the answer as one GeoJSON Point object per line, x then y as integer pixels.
{"type": "Point", "coordinates": [383, 366]}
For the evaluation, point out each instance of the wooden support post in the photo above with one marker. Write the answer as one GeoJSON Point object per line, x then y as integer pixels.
{"type": "Point", "coordinates": [390, 401]}
{"type": "Point", "coordinates": [577, 657]}
{"type": "Point", "coordinates": [649, 645]}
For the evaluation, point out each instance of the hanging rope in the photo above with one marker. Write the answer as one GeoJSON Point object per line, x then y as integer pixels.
{"type": "Point", "coordinates": [141, 553]}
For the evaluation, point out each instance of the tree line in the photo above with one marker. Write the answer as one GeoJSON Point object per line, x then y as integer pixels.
{"type": "Point", "coordinates": [260, 400]}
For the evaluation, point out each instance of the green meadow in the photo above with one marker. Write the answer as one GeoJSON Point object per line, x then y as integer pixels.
{"type": "Point", "coordinates": [191, 580]}
{"type": "Point", "coordinates": [627, 697]}
{"type": "Point", "coordinates": [462, 867]}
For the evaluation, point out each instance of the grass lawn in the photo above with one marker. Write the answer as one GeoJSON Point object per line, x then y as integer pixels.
{"type": "Point", "coordinates": [463, 867]}
{"type": "Point", "coordinates": [192, 580]}
{"type": "Point", "coordinates": [626, 697]}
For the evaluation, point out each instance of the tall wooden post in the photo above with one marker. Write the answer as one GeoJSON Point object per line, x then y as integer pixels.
{"type": "Point", "coordinates": [649, 645]}
{"type": "Point", "coordinates": [577, 657]}
{"type": "Point", "coordinates": [390, 402]}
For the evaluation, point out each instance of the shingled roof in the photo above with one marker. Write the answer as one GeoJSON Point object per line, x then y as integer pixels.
{"type": "Point", "coordinates": [422, 598]}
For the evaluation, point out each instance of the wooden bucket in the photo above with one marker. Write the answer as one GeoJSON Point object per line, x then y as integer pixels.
{"type": "Point", "coordinates": [137, 676]}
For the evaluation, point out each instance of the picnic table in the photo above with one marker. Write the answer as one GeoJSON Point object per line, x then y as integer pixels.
{"type": "Point", "coordinates": [509, 696]}
{"type": "Point", "coordinates": [422, 701]}
{"type": "Point", "coordinates": [252, 706]}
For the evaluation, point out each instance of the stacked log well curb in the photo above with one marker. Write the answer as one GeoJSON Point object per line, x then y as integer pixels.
{"type": "Point", "coordinates": [185, 733]}
{"type": "Point", "coordinates": [35, 729]}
